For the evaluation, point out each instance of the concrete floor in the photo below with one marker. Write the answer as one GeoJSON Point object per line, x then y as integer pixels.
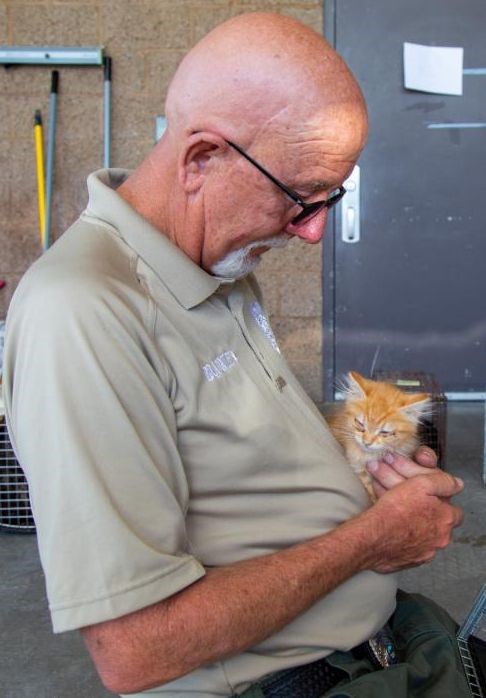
{"type": "Point", "coordinates": [34, 663]}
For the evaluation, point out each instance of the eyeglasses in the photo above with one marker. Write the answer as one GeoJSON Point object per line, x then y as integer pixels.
{"type": "Point", "coordinates": [308, 210]}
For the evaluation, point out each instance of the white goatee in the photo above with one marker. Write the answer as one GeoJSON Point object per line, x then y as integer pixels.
{"type": "Point", "coordinates": [240, 263]}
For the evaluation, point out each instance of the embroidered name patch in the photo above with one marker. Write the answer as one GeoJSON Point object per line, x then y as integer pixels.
{"type": "Point", "coordinates": [262, 322]}
{"type": "Point", "coordinates": [219, 365]}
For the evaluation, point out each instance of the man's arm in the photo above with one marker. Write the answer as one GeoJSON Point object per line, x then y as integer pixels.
{"type": "Point", "coordinates": [235, 607]}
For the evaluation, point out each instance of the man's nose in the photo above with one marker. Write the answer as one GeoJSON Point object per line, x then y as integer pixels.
{"type": "Point", "coordinates": [310, 231]}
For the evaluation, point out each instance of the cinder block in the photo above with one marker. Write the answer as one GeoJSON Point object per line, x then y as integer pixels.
{"type": "Point", "coordinates": [74, 2]}
{"type": "Point", "coordinates": [145, 24]}
{"type": "Point", "coordinates": [75, 112]}
{"type": "Point", "coordinates": [82, 82]}
{"type": "Point", "coordinates": [310, 13]}
{"type": "Point", "coordinates": [22, 108]}
{"type": "Point", "coordinates": [25, 80]}
{"type": "Point", "coordinates": [311, 16]}
{"type": "Point", "coordinates": [298, 337]}
{"type": "Point", "coordinates": [127, 69]}
{"type": "Point", "coordinates": [54, 24]}
{"type": "Point", "coordinates": [23, 208]}
{"type": "Point", "coordinates": [20, 246]}
{"type": "Point", "coordinates": [136, 118]}
{"type": "Point", "coordinates": [309, 374]}
{"type": "Point", "coordinates": [129, 152]}
{"type": "Point", "coordinates": [18, 163]}
{"type": "Point", "coordinates": [281, 3]}
{"type": "Point", "coordinates": [77, 159]}
{"type": "Point", "coordinates": [4, 202]}
{"type": "Point", "coordinates": [159, 69]}
{"type": "Point", "coordinates": [7, 291]}
{"type": "Point", "coordinates": [205, 17]}
{"type": "Point", "coordinates": [4, 119]}
{"type": "Point", "coordinates": [297, 256]}
{"type": "Point", "coordinates": [255, 6]}
{"type": "Point", "coordinates": [270, 288]}
{"type": "Point", "coordinates": [301, 295]}
{"type": "Point", "coordinates": [3, 24]}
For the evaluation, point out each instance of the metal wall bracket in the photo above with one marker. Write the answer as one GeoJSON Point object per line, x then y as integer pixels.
{"type": "Point", "coordinates": [51, 55]}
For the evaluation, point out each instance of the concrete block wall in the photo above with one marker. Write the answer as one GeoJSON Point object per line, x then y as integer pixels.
{"type": "Point", "coordinates": [146, 39]}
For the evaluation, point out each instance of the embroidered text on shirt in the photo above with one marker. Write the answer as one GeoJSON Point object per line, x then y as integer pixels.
{"type": "Point", "coordinates": [264, 325]}
{"type": "Point", "coordinates": [218, 366]}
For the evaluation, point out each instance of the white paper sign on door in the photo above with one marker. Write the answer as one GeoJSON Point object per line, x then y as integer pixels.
{"type": "Point", "coordinates": [436, 69]}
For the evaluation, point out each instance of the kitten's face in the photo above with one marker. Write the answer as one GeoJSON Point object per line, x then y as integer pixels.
{"type": "Point", "coordinates": [381, 417]}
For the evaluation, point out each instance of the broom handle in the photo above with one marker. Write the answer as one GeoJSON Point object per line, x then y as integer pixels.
{"type": "Point", "coordinates": [107, 110]}
{"type": "Point", "coordinates": [50, 154]}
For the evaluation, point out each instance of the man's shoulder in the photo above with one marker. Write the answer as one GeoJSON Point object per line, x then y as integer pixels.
{"type": "Point", "coordinates": [88, 268]}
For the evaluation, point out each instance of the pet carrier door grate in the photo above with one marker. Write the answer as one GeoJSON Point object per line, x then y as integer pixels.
{"type": "Point", "coordinates": [15, 511]}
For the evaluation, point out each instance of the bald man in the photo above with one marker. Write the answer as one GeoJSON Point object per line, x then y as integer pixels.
{"type": "Point", "coordinates": [196, 520]}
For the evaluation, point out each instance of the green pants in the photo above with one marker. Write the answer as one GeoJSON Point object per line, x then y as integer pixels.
{"type": "Point", "coordinates": [430, 665]}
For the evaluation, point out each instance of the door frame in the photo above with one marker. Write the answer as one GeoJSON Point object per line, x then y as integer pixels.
{"type": "Point", "coordinates": [328, 256]}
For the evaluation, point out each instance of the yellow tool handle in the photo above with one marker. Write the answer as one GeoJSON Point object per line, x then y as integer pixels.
{"type": "Point", "coordinates": [39, 156]}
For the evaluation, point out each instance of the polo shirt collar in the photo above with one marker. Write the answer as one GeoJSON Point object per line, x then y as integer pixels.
{"type": "Point", "coordinates": [190, 284]}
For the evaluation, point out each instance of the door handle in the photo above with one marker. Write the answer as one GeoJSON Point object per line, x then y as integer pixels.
{"type": "Point", "coordinates": [350, 229]}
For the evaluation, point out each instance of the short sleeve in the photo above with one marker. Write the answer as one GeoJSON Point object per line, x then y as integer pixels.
{"type": "Point", "coordinates": [92, 423]}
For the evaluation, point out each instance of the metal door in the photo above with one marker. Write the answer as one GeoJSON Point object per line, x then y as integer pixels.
{"type": "Point", "coordinates": [410, 294]}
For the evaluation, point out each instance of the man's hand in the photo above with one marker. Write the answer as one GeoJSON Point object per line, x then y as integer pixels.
{"type": "Point", "coordinates": [404, 486]}
{"type": "Point", "coordinates": [395, 469]}
{"type": "Point", "coordinates": [413, 519]}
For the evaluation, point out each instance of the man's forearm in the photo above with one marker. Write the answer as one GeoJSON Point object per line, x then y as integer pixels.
{"type": "Point", "coordinates": [238, 606]}
{"type": "Point", "coordinates": [225, 612]}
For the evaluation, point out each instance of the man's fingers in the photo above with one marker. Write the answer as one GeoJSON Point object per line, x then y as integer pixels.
{"type": "Point", "coordinates": [409, 468]}
{"type": "Point", "coordinates": [459, 516]}
{"type": "Point", "coordinates": [426, 456]}
{"type": "Point", "coordinates": [442, 484]}
{"type": "Point", "coordinates": [378, 489]}
{"type": "Point", "coordinates": [387, 475]}
{"type": "Point", "coordinates": [384, 474]}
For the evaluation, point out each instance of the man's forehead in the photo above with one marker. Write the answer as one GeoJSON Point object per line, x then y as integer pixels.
{"type": "Point", "coordinates": [321, 152]}
{"type": "Point", "coordinates": [336, 123]}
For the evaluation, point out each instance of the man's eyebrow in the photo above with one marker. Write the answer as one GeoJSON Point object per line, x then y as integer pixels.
{"type": "Point", "coordinates": [316, 185]}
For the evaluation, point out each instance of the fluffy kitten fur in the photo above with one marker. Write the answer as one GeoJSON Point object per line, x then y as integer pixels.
{"type": "Point", "coordinates": [374, 418]}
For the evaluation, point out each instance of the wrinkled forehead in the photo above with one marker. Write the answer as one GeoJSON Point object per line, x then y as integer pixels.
{"type": "Point", "coordinates": [333, 136]}
{"type": "Point", "coordinates": [342, 127]}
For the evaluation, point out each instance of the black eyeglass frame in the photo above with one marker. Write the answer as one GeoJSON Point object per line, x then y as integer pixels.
{"type": "Point", "coordinates": [308, 210]}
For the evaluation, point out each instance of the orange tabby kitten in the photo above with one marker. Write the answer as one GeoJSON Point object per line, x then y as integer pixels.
{"type": "Point", "coordinates": [375, 418]}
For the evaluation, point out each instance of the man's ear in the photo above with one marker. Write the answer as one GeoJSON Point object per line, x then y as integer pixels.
{"type": "Point", "coordinates": [196, 159]}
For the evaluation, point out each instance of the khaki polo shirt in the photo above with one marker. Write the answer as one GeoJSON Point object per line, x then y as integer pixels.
{"type": "Point", "coordinates": [162, 433]}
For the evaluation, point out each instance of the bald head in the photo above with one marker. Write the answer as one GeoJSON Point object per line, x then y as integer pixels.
{"type": "Point", "coordinates": [278, 90]}
{"type": "Point", "coordinates": [255, 68]}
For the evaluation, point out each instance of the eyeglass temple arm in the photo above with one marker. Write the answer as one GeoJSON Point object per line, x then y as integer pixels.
{"type": "Point", "coordinates": [293, 195]}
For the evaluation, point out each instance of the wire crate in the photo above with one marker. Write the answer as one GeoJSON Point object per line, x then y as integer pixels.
{"type": "Point", "coordinates": [15, 511]}
{"type": "Point", "coordinates": [433, 429]}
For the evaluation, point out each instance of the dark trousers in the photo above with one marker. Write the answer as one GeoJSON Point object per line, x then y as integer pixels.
{"type": "Point", "coordinates": [429, 663]}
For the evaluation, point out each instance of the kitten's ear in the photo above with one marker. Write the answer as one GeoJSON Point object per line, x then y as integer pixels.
{"type": "Point", "coordinates": [356, 387]}
{"type": "Point", "coordinates": [417, 405]}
